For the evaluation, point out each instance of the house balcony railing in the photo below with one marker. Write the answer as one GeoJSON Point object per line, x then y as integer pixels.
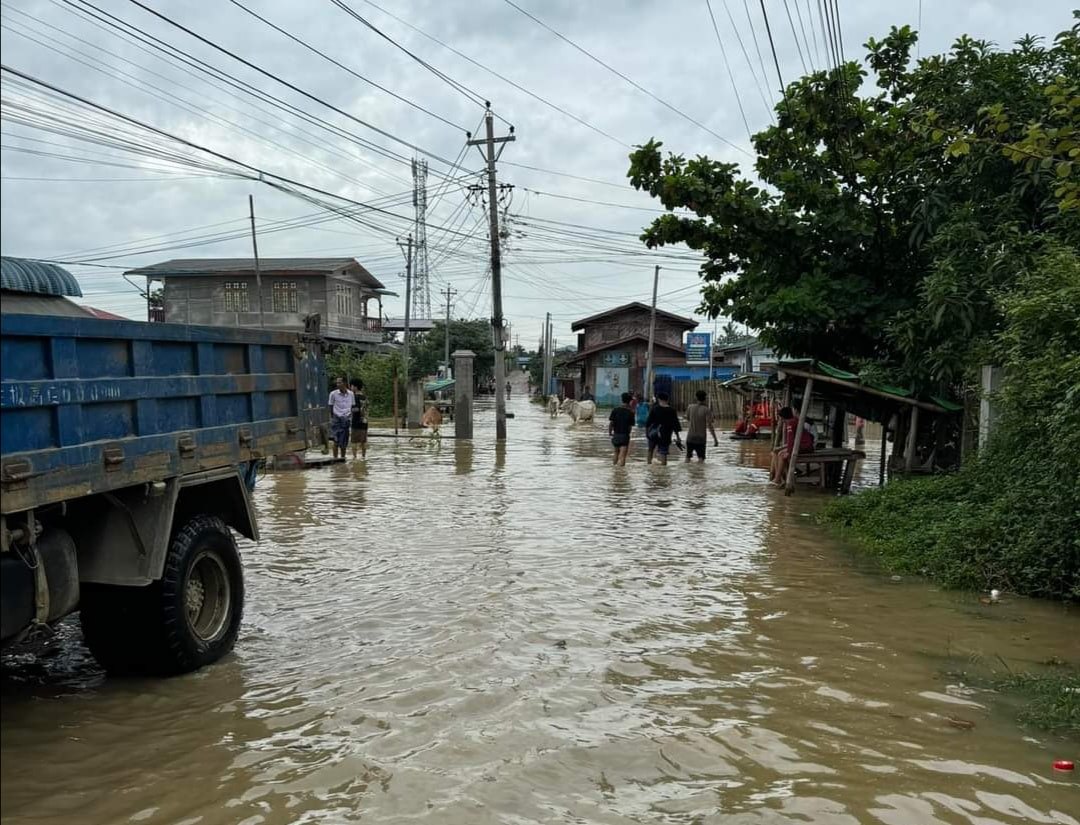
{"type": "Point", "coordinates": [157, 315]}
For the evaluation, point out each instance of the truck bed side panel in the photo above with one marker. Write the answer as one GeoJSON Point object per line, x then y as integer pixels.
{"type": "Point", "coordinates": [89, 405]}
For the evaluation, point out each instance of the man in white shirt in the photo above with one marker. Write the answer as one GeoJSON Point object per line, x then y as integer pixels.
{"type": "Point", "coordinates": [341, 403]}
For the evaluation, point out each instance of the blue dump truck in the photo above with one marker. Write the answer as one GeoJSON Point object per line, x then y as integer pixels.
{"type": "Point", "coordinates": [128, 452]}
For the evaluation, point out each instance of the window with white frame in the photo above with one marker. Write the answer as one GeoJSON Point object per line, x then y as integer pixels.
{"type": "Point", "coordinates": [344, 299]}
{"type": "Point", "coordinates": [284, 293]}
{"type": "Point", "coordinates": [236, 296]}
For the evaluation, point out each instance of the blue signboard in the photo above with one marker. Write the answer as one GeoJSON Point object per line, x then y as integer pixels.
{"type": "Point", "coordinates": [698, 347]}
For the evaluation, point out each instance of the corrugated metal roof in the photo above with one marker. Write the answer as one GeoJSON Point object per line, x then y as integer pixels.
{"type": "Point", "coordinates": [37, 277]}
{"type": "Point", "coordinates": [194, 267]}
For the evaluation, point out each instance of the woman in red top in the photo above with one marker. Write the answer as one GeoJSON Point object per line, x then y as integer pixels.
{"type": "Point", "coordinates": [782, 454]}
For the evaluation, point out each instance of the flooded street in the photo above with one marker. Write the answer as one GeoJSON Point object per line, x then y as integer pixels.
{"type": "Point", "coordinates": [455, 634]}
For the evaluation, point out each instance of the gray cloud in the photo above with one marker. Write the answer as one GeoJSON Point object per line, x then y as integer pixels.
{"type": "Point", "coordinates": [668, 47]}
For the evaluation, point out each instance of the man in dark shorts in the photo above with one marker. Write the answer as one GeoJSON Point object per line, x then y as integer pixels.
{"type": "Point", "coordinates": [699, 418]}
{"type": "Point", "coordinates": [341, 403]}
{"type": "Point", "coordinates": [359, 419]}
{"type": "Point", "coordinates": [620, 423]}
{"type": "Point", "coordinates": [660, 426]}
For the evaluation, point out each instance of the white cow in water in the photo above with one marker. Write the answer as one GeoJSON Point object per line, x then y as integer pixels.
{"type": "Point", "coordinates": [553, 406]}
{"type": "Point", "coordinates": [579, 410]}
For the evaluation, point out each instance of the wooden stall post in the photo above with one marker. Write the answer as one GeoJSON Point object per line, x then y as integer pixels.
{"type": "Point", "coordinates": [913, 430]}
{"type": "Point", "coordinates": [884, 442]}
{"type": "Point", "coordinates": [789, 487]}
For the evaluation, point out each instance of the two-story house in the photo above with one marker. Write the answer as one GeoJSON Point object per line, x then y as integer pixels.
{"type": "Point", "coordinates": [747, 354]}
{"type": "Point", "coordinates": [224, 292]}
{"type": "Point", "coordinates": [613, 349]}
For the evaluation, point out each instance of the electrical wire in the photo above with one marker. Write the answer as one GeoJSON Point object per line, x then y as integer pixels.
{"type": "Point", "coordinates": [345, 68]}
{"type": "Point", "coordinates": [772, 45]}
{"type": "Point", "coordinates": [760, 83]}
{"type": "Point", "coordinates": [293, 87]}
{"type": "Point", "coordinates": [794, 35]}
{"type": "Point", "coordinates": [503, 78]}
{"type": "Point", "coordinates": [466, 92]}
{"type": "Point", "coordinates": [727, 67]}
{"type": "Point", "coordinates": [619, 74]}
{"type": "Point", "coordinates": [757, 46]}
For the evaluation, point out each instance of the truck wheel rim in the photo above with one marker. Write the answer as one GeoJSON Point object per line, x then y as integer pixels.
{"type": "Point", "coordinates": [208, 597]}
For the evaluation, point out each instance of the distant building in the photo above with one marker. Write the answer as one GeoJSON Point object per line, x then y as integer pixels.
{"type": "Point", "coordinates": [104, 314]}
{"type": "Point", "coordinates": [222, 292]}
{"type": "Point", "coordinates": [746, 355]}
{"type": "Point", "coordinates": [613, 350]}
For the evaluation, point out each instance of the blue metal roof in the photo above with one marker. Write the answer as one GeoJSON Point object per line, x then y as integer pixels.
{"type": "Point", "coordinates": [37, 277]}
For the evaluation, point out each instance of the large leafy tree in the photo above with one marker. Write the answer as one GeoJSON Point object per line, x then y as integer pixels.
{"type": "Point", "coordinates": [885, 221]}
{"type": "Point", "coordinates": [426, 352]}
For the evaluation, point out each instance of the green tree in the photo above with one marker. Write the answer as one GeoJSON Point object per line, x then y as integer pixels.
{"type": "Point", "coordinates": [426, 352]}
{"type": "Point", "coordinates": [376, 370]}
{"type": "Point", "coordinates": [888, 220]}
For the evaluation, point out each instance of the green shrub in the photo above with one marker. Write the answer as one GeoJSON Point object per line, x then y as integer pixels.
{"type": "Point", "coordinates": [1011, 517]}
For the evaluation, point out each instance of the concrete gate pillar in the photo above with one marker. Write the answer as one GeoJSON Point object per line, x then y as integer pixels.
{"type": "Point", "coordinates": [414, 403]}
{"type": "Point", "coordinates": [463, 392]}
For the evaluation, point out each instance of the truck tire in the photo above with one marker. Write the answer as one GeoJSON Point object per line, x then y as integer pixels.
{"type": "Point", "coordinates": [188, 619]}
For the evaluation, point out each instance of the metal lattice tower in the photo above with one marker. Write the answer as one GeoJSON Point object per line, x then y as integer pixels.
{"type": "Point", "coordinates": [421, 285]}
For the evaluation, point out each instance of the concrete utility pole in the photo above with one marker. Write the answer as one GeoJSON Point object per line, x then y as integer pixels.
{"type": "Point", "coordinates": [546, 389]}
{"type": "Point", "coordinates": [449, 293]}
{"type": "Point", "coordinates": [407, 249]}
{"type": "Point", "coordinates": [255, 249]}
{"type": "Point", "coordinates": [496, 269]}
{"type": "Point", "coordinates": [652, 337]}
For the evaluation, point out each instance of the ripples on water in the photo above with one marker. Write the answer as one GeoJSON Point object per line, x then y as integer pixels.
{"type": "Point", "coordinates": [459, 634]}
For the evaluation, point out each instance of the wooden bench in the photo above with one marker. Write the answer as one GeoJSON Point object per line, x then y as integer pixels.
{"type": "Point", "coordinates": [813, 467]}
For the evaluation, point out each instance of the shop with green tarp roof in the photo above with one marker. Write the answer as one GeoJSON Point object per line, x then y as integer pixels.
{"type": "Point", "coordinates": [925, 431]}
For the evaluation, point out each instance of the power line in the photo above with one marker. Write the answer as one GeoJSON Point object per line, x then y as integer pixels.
{"type": "Point", "coordinates": [727, 66]}
{"type": "Point", "coordinates": [633, 83]}
{"type": "Point", "coordinates": [757, 46]}
{"type": "Point", "coordinates": [501, 77]}
{"type": "Point", "coordinates": [253, 172]}
{"type": "Point", "coordinates": [186, 58]}
{"type": "Point", "coordinates": [163, 94]}
{"type": "Point", "coordinates": [468, 93]}
{"type": "Point", "coordinates": [590, 200]}
{"type": "Point", "coordinates": [813, 32]}
{"type": "Point", "coordinates": [772, 45]}
{"type": "Point", "coordinates": [343, 67]}
{"type": "Point", "coordinates": [211, 78]}
{"type": "Point", "coordinates": [794, 34]}
{"type": "Point", "coordinates": [839, 30]}
{"type": "Point", "coordinates": [287, 84]}
{"type": "Point", "coordinates": [750, 64]}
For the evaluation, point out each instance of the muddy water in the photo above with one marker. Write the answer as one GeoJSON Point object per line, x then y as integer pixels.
{"type": "Point", "coordinates": [456, 634]}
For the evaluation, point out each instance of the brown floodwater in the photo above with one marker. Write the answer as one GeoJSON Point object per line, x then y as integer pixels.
{"type": "Point", "coordinates": [459, 634]}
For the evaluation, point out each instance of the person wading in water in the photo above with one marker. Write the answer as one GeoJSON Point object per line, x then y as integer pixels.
{"type": "Point", "coordinates": [341, 406]}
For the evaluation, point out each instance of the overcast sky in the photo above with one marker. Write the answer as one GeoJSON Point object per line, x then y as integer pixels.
{"type": "Point", "coordinates": [115, 209]}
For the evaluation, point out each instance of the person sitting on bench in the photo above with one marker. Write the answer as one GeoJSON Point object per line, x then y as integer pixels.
{"type": "Point", "coordinates": [782, 454]}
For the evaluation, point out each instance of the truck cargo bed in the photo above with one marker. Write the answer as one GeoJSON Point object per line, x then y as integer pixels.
{"type": "Point", "coordinates": [89, 406]}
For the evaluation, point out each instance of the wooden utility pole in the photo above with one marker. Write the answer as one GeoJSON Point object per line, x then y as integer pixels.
{"type": "Point", "coordinates": [255, 249]}
{"type": "Point", "coordinates": [408, 301]}
{"type": "Point", "coordinates": [652, 337]}
{"type": "Point", "coordinates": [714, 398]}
{"type": "Point", "coordinates": [488, 151]}
{"type": "Point", "coordinates": [449, 293]}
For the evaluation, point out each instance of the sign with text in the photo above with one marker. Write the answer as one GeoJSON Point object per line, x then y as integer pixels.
{"type": "Point", "coordinates": [698, 347]}
{"type": "Point", "coordinates": [615, 359]}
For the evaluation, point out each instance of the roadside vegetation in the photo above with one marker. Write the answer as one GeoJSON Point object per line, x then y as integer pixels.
{"type": "Point", "coordinates": [913, 233]}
